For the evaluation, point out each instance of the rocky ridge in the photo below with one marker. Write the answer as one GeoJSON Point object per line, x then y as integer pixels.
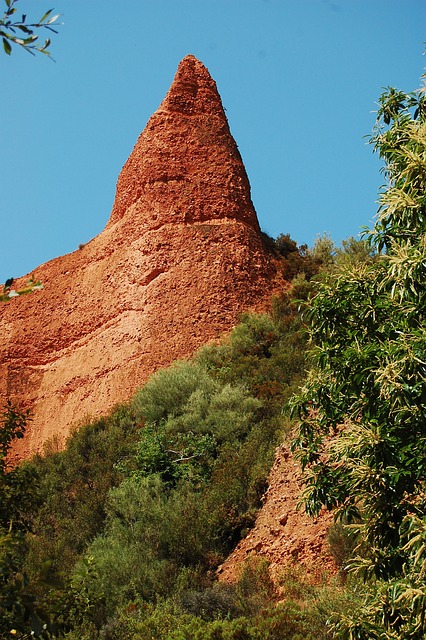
{"type": "Point", "coordinates": [179, 260]}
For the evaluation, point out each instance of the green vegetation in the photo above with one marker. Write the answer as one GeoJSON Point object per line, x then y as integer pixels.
{"type": "Point", "coordinates": [119, 536]}
{"type": "Point", "coordinates": [23, 33]}
{"type": "Point", "coordinates": [16, 503]}
{"type": "Point", "coordinates": [363, 408]}
{"type": "Point", "coordinates": [133, 518]}
{"type": "Point", "coordinates": [8, 292]}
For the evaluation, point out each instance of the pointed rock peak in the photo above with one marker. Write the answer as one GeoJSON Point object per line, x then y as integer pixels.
{"type": "Point", "coordinates": [193, 90]}
{"type": "Point", "coordinates": [185, 167]}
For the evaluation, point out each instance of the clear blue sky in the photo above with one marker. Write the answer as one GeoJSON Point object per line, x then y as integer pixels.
{"type": "Point", "coordinates": [299, 80]}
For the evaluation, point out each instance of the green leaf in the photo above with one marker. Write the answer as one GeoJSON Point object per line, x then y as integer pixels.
{"type": "Point", "coordinates": [46, 15]}
{"type": "Point", "coordinates": [6, 46]}
{"type": "Point", "coordinates": [52, 20]}
{"type": "Point", "coordinates": [23, 28]}
{"type": "Point", "coordinates": [43, 49]}
{"type": "Point", "coordinates": [28, 41]}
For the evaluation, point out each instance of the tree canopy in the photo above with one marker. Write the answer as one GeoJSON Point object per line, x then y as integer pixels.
{"type": "Point", "coordinates": [362, 438]}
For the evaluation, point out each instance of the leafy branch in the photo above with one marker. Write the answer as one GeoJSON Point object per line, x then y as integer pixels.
{"type": "Point", "coordinates": [22, 33]}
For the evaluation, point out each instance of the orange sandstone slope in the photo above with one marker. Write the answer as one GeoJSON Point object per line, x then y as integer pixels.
{"type": "Point", "coordinates": [283, 534]}
{"type": "Point", "coordinates": [179, 260]}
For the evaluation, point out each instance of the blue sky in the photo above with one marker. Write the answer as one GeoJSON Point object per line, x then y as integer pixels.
{"type": "Point", "coordinates": [299, 80]}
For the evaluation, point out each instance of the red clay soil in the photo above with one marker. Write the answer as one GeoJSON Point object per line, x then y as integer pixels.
{"type": "Point", "coordinates": [180, 259]}
{"type": "Point", "coordinates": [283, 534]}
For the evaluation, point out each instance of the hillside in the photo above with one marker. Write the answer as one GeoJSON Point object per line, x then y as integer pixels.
{"type": "Point", "coordinates": [174, 515]}
{"type": "Point", "coordinates": [180, 259]}
{"type": "Point", "coordinates": [179, 262]}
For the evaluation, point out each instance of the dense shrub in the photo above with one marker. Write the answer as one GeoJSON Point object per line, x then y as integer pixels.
{"type": "Point", "coordinates": [264, 354]}
{"type": "Point", "coordinates": [72, 486]}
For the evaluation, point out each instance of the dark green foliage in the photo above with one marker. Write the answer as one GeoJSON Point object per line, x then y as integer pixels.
{"type": "Point", "coordinates": [324, 257]}
{"type": "Point", "coordinates": [296, 259]}
{"type": "Point", "coordinates": [175, 456]}
{"type": "Point", "coordinates": [285, 622]}
{"type": "Point", "coordinates": [58, 503]}
{"type": "Point", "coordinates": [16, 492]}
{"type": "Point", "coordinates": [264, 354]}
{"type": "Point", "coordinates": [14, 600]}
{"type": "Point", "coordinates": [19, 608]}
{"type": "Point", "coordinates": [131, 555]}
{"type": "Point", "coordinates": [7, 285]}
{"type": "Point", "coordinates": [13, 426]}
{"type": "Point", "coordinates": [244, 610]}
{"type": "Point", "coordinates": [73, 486]}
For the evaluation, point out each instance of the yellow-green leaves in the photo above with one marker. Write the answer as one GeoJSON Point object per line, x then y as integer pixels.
{"type": "Point", "coordinates": [362, 439]}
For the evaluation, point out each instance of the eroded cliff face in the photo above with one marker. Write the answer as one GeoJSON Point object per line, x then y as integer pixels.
{"type": "Point", "coordinates": [283, 533]}
{"type": "Point", "coordinates": [179, 260]}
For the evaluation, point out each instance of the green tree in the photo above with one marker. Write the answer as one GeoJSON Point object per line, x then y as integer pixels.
{"type": "Point", "coordinates": [14, 423]}
{"type": "Point", "coordinates": [18, 607]}
{"type": "Point", "coordinates": [22, 32]}
{"type": "Point", "coordinates": [16, 490]}
{"type": "Point", "coordinates": [362, 439]}
{"type": "Point", "coordinates": [49, 508]}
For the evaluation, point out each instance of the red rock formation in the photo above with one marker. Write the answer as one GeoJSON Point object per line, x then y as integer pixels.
{"type": "Point", "coordinates": [180, 258]}
{"type": "Point", "coordinates": [283, 534]}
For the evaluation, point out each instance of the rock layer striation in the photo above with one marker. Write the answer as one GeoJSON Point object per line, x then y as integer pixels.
{"type": "Point", "coordinates": [179, 260]}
